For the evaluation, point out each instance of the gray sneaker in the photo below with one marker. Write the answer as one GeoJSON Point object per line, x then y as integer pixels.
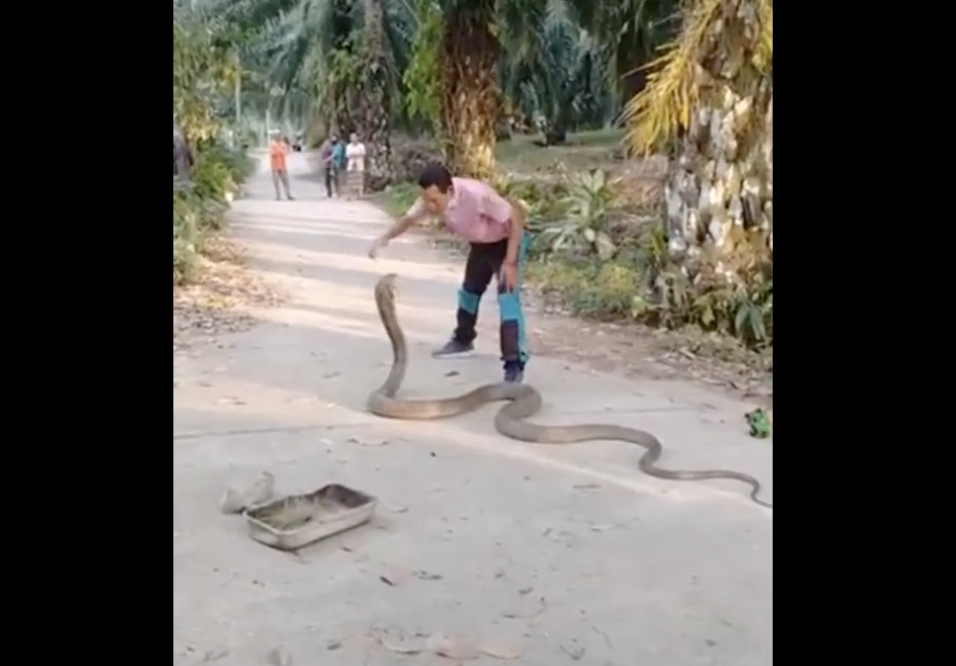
{"type": "Point", "coordinates": [454, 348]}
{"type": "Point", "coordinates": [514, 374]}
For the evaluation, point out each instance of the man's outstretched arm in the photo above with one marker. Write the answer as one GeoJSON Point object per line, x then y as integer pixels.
{"type": "Point", "coordinates": [414, 215]}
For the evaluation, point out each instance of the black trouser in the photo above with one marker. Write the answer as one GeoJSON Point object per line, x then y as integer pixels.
{"type": "Point", "coordinates": [331, 181]}
{"type": "Point", "coordinates": [484, 262]}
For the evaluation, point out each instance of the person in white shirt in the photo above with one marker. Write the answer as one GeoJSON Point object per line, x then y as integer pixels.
{"type": "Point", "coordinates": [355, 166]}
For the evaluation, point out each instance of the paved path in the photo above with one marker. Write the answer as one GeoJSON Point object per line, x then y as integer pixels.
{"type": "Point", "coordinates": [601, 564]}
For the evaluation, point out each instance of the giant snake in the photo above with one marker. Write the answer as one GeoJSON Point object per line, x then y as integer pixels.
{"type": "Point", "coordinates": [523, 401]}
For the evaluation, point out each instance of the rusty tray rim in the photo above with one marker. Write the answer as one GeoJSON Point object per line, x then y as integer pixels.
{"type": "Point", "coordinates": [370, 502]}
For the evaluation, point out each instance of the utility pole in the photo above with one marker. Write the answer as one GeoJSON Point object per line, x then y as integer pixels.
{"type": "Point", "coordinates": [238, 100]}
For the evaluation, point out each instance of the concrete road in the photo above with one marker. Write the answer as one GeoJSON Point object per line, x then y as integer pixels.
{"type": "Point", "coordinates": [566, 554]}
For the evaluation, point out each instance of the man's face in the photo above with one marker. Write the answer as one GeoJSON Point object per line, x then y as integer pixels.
{"type": "Point", "coordinates": [435, 200]}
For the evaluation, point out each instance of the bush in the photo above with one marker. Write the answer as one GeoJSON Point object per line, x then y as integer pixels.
{"type": "Point", "coordinates": [600, 259]}
{"type": "Point", "coordinates": [409, 157]}
{"type": "Point", "coordinates": [399, 198]}
{"type": "Point", "coordinates": [614, 290]}
{"type": "Point", "coordinates": [199, 206]}
{"type": "Point", "coordinates": [596, 291]}
{"type": "Point", "coordinates": [238, 162]}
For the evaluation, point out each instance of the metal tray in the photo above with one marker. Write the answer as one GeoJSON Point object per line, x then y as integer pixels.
{"type": "Point", "coordinates": [295, 521]}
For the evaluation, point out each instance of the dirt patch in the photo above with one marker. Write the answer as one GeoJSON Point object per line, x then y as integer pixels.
{"type": "Point", "coordinates": [637, 351]}
{"type": "Point", "coordinates": [216, 303]}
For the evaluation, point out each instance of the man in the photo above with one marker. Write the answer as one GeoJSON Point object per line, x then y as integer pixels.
{"type": "Point", "coordinates": [278, 150]}
{"type": "Point", "coordinates": [327, 155]}
{"type": "Point", "coordinates": [355, 167]}
{"type": "Point", "coordinates": [494, 227]}
{"type": "Point", "coordinates": [338, 159]}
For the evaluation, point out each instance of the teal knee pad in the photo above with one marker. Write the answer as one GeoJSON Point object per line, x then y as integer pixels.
{"type": "Point", "coordinates": [509, 307]}
{"type": "Point", "coordinates": [468, 301]}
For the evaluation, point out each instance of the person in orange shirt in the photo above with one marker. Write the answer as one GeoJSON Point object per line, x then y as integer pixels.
{"type": "Point", "coordinates": [278, 149]}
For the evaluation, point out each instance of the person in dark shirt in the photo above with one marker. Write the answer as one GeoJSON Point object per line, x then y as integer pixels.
{"type": "Point", "coordinates": [330, 155]}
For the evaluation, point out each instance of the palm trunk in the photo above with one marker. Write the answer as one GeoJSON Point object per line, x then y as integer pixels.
{"type": "Point", "coordinates": [470, 92]}
{"type": "Point", "coordinates": [372, 116]}
{"type": "Point", "coordinates": [719, 191]}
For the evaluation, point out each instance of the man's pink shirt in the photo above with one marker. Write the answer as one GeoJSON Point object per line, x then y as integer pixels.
{"type": "Point", "coordinates": [475, 212]}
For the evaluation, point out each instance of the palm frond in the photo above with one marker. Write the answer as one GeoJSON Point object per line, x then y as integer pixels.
{"type": "Point", "coordinates": [679, 76]}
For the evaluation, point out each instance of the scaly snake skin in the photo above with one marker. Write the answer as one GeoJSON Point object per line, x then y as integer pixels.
{"type": "Point", "coordinates": [523, 401]}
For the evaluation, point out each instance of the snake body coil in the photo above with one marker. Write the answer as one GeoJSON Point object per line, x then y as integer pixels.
{"type": "Point", "coordinates": [523, 401]}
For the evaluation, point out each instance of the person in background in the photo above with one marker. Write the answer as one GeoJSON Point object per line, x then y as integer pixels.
{"type": "Point", "coordinates": [338, 161]}
{"type": "Point", "coordinates": [329, 166]}
{"type": "Point", "coordinates": [494, 227]}
{"type": "Point", "coordinates": [278, 151]}
{"type": "Point", "coordinates": [355, 167]}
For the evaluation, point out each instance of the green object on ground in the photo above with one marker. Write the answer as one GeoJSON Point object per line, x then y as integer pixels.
{"type": "Point", "coordinates": [759, 424]}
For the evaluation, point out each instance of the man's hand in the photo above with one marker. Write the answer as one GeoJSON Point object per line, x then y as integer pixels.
{"type": "Point", "coordinates": [509, 274]}
{"type": "Point", "coordinates": [376, 246]}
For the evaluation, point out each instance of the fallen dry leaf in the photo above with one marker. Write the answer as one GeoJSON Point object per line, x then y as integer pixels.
{"type": "Point", "coordinates": [602, 528]}
{"type": "Point", "coordinates": [426, 575]}
{"type": "Point", "coordinates": [223, 286]}
{"type": "Point", "coordinates": [528, 609]}
{"type": "Point", "coordinates": [395, 576]}
{"type": "Point", "coordinates": [402, 644]}
{"type": "Point", "coordinates": [212, 656]}
{"type": "Point", "coordinates": [368, 442]}
{"type": "Point", "coordinates": [449, 647]}
{"type": "Point", "coordinates": [575, 652]}
{"type": "Point", "coordinates": [500, 650]}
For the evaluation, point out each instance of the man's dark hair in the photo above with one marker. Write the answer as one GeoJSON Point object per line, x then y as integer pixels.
{"type": "Point", "coordinates": [437, 174]}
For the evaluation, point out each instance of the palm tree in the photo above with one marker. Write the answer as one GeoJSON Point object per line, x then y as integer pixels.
{"type": "Point", "coordinates": [474, 31]}
{"type": "Point", "coordinates": [470, 53]}
{"type": "Point", "coordinates": [373, 116]}
{"type": "Point", "coordinates": [713, 92]}
{"type": "Point", "coordinates": [563, 81]}
{"type": "Point", "coordinates": [630, 31]}
{"type": "Point", "coordinates": [345, 54]}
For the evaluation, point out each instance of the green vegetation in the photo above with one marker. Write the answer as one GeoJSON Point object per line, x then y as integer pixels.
{"type": "Point", "coordinates": [581, 151]}
{"type": "Point", "coordinates": [199, 206]}
{"type": "Point", "coordinates": [204, 73]}
{"type": "Point", "coordinates": [399, 198]}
